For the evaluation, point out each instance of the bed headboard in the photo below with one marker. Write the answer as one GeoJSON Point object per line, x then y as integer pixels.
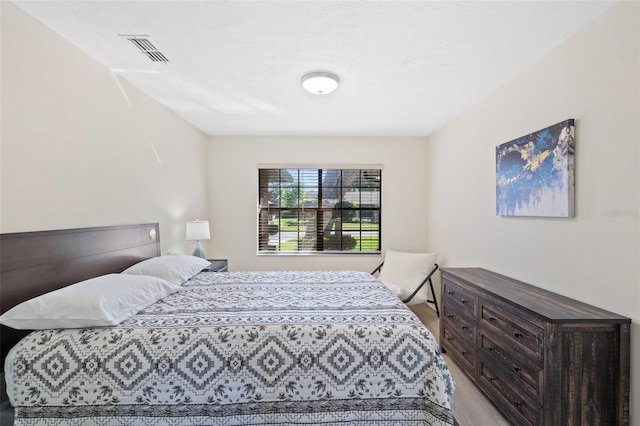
{"type": "Point", "coordinates": [34, 263]}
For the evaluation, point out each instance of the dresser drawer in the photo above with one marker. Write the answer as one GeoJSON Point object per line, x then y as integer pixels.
{"type": "Point", "coordinates": [453, 319]}
{"type": "Point", "coordinates": [516, 332]}
{"type": "Point", "coordinates": [461, 349]}
{"type": "Point", "coordinates": [518, 372]}
{"type": "Point", "coordinates": [520, 408]}
{"type": "Point", "coordinates": [459, 298]}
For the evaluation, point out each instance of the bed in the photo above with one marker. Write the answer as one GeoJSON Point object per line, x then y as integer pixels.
{"type": "Point", "coordinates": [264, 347]}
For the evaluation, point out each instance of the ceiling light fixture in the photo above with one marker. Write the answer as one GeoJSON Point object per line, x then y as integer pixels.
{"type": "Point", "coordinates": [320, 82]}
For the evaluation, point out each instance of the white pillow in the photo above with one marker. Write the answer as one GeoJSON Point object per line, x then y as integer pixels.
{"type": "Point", "coordinates": [403, 272]}
{"type": "Point", "coordinates": [101, 301]}
{"type": "Point", "coordinates": [175, 268]}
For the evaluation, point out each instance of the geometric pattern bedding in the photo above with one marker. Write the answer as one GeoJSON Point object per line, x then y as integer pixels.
{"type": "Point", "coordinates": [241, 348]}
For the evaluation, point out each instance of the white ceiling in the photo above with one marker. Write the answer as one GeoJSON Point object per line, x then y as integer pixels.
{"type": "Point", "coordinates": [407, 67]}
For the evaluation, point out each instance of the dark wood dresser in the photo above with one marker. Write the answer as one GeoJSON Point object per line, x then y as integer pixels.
{"type": "Point", "coordinates": [541, 358]}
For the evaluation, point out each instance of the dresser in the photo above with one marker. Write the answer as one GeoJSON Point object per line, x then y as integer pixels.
{"type": "Point", "coordinates": [541, 358]}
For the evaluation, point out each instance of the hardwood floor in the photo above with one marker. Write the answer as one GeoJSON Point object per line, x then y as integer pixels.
{"type": "Point", "coordinates": [470, 406]}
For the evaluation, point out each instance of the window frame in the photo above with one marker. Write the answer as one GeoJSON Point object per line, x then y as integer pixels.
{"type": "Point", "coordinates": [263, 232]}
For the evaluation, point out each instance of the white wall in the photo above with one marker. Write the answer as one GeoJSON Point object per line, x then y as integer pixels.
{"type": "Point", "coordinates": [593, 257]}
{"type": "Point", "coordinates": [233, 194]}
{"type": "Point", "coordinates": [82, 147]}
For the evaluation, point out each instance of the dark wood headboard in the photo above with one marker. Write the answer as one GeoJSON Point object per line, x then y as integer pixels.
{"type": "Point", "coordinates": [34, 263]}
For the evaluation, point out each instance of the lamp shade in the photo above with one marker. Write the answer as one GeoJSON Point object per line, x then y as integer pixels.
{"type": "Point", "coordinates": [198, 230]}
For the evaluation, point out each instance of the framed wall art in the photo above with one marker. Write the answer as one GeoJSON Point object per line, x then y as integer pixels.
{"type": "Point", "coordinates": [535, 173]}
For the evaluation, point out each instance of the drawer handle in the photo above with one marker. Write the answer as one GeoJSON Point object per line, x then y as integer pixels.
{"type": "Point", "coordinates": [492, 348]}
{"type": "Point", "coordinates": [516, 368]}
{"type": "Point", "coordinates": [517, 334]}
{"type": "Point", "coordinates": [449, 315]}
{"type": "Point", "coordinates": [449, 338]}
{"type": "Point", "coordinates": [492, 378]}
{"type": "Point", "coordinates": [464, 353]}
{"type": "Point", "coordinates": [464, 301]}
{"type": "Point", "coordinates": [517, 403]}
{"type": "Point", "coordinates": [492, 319]}
{"type": "Point", "coordinates": [464, 327]}
{"type": "Point", "coordinates": [451, 292]}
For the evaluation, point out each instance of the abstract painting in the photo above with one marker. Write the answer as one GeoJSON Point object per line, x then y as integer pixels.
{"type": "Point", "coordinates": [535, 173]}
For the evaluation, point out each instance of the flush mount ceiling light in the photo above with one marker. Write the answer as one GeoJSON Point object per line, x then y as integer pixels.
{"type": "Point", "coordinates": [320, 82]}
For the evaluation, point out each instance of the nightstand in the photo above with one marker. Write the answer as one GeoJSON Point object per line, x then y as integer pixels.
{"type": "Point", "coordinates": [217, 265]}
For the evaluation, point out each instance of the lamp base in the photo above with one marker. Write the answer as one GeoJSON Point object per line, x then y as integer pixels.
{"type": "Point", "coordinates": [197, 251]}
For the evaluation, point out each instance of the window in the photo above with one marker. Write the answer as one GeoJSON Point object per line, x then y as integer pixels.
{"type": "Point", "coordinates": [309, 210]}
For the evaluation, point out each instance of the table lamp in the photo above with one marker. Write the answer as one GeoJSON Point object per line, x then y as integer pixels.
{"type": "Point", "coordinates": [198, 230]}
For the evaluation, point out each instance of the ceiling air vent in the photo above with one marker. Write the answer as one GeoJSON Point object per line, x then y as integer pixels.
{"type": "Point", "coordinates": [146, 47]}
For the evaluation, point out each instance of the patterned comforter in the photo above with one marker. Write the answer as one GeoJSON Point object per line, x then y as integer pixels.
{"type": "Point", "coordinates": [241, 348]}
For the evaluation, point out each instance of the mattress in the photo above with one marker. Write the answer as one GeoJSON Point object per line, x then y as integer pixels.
{"type": "Point", "coordinates": [241, 348]}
